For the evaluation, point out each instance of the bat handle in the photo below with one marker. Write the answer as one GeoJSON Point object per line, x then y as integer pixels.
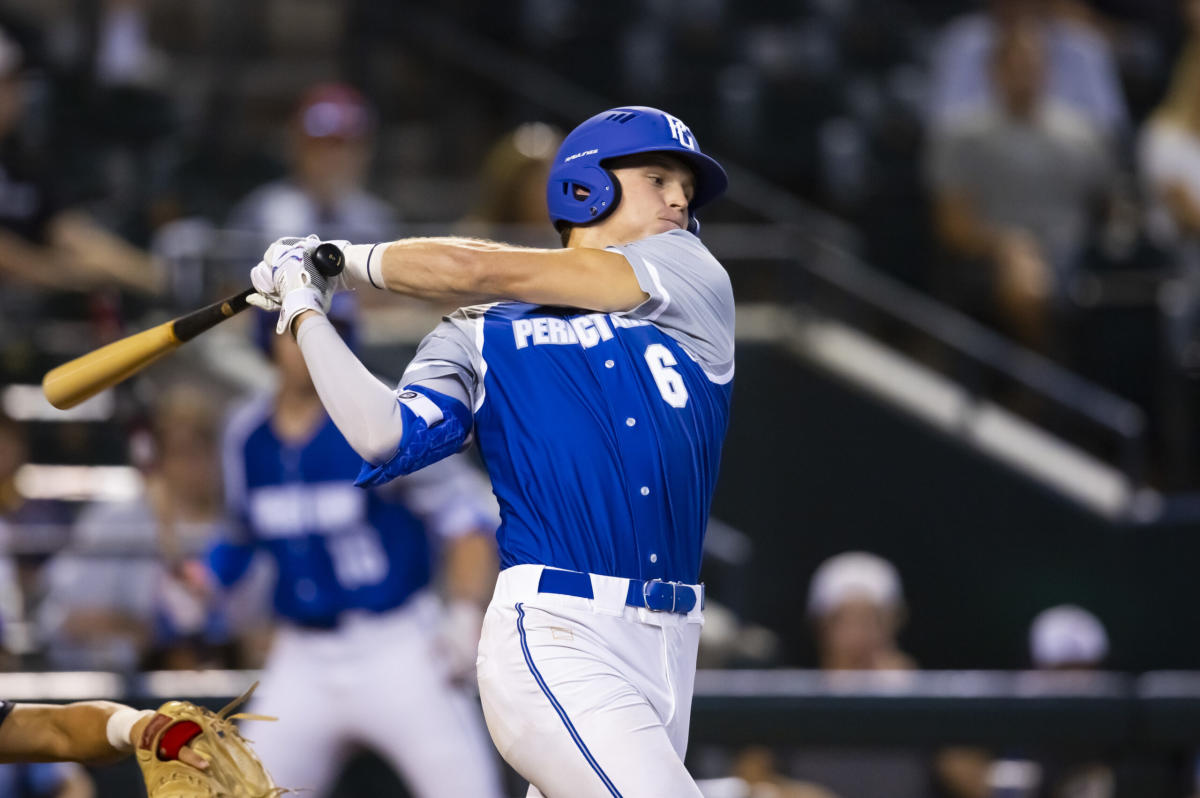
{"type": "Point", "coordinates": [328, 259]}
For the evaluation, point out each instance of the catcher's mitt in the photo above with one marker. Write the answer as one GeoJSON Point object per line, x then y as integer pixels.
{"type": "Point", "coordinates": [233, 770]}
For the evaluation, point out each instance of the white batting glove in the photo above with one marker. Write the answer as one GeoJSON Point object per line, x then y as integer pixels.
{"type": "Point", "coordinates": [286, 280]}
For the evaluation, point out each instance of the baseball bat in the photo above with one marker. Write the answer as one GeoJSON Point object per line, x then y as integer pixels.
{"type": "Point", "coordinates": [87, 375]}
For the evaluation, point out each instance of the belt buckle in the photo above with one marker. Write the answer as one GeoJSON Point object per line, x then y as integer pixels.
{"type": "Point", "coordinates": [646, 593]}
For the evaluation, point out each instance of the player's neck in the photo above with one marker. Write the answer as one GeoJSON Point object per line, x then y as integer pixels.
{"type": "Point", "coordinates": [593, 238]}
{"type": "Point", "coordinates": [298, 413]}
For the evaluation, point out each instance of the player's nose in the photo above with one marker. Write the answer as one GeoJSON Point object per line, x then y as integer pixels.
{"type": "Point", "coordinates": [677, 197]}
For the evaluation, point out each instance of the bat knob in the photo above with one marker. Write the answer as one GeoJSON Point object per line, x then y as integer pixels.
{"type": "Point", "coordinates": [328, 259]}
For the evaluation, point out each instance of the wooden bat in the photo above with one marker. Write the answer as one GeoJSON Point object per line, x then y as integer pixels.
{"type": "Point", "coordinates": [87, 375]}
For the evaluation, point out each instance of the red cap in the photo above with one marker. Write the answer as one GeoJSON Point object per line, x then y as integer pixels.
{"type": "Point", "coordinates": [334, 110]}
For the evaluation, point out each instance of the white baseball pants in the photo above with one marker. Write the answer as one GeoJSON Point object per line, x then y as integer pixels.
{"type": "Point", "coordinates": [588, 698]}
{"type": "Point", "coordinates": [376, 681]}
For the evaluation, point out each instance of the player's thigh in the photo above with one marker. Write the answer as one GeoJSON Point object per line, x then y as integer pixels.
{"type": "Point", "coordinates": [567, 719]}
{"type": "Point", "coordinates": [305, 748]}
{"type": "Point", "coordinates": [601, 752]}
{"type": "Point", "coordinates": [440, 749]}
{"type": "Point", "coordinates": [428, 729]}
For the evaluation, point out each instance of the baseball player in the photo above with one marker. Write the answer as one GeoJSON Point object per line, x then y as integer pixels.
{"type": "Point", "coordinates": [85, 731]}
{"type": "Point", "coordinates": [596, 381]}
{"type": "Point", "coordinates": [365, 654]}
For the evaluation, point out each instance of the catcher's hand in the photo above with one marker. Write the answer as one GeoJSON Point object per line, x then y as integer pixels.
{"type": "Point", "coordinates": [180, 734]}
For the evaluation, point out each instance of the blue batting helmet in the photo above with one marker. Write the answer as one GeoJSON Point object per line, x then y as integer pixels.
{"type": "Point", "coordinates": [580, 163]}
{"type": "Point", "coordinates": [343, 314]}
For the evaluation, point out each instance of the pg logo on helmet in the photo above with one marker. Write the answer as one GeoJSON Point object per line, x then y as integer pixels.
{"type": "Point", "coordinates": [581, 189]}
{"type": "Point", "coordinates": [681, 132]}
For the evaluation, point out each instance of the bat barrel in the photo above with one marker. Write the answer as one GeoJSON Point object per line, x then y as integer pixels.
{"type": "Point", "coordinates": [82, 378]}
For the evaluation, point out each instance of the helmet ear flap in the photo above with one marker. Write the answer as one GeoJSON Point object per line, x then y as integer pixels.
{"type": "Point", "coordinates": [616, 193]}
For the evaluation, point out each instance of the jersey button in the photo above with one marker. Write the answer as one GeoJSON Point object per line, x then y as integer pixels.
{"type": "Point", "coordinates": [645, 490]}
{"type": "Point", "coordinates": [609, 364]}
{"type": "Point", "coordinates": [629, 422]}
{"type": "Point", "coordinates": [653, 558]}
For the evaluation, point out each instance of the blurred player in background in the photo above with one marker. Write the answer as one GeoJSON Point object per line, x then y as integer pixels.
{"type": "Point", "coordinates": [600, 402]}
{"type": "Point", "coordinates": [329, 146]}
{"type": "Point", "coordinates": [365, 653]}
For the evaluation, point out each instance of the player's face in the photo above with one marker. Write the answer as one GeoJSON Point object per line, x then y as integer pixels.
{"type": "Point", "coordinates": [656, 190]}
{"type": "Point", "coordinates": [855, 634]}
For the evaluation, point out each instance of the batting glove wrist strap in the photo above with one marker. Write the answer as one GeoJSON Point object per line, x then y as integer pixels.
{"type": "Point", "coordinates": [296, 302]}
{"type": "Point", "coordinates": [364, 263]}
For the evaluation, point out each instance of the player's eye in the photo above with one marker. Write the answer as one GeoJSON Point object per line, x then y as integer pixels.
{"type": "Point", "coordinates": [656, 179]}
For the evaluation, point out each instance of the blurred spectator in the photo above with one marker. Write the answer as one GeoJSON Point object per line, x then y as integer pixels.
{"type": "Point", "coordinates": [511, 199]}
{"type": "Point", "coordinates": [1062, 638]}
{"type": "Point", "coordinates": [43, 242]}
{"type": "Point", "coordinates": [30, 531]}
{"type": "Point", "coordinates": [758, 769]}
{"type": "Point", "coordinates": [45, 780]}
{"type": "Point", "coordinates": [1169, 155]}
{"type": "Point", "coordinates": [1080, 71]}
{"type": "Point", "coordinates": [1067, 637]}
{"type": "Point", "coordinates": [1016, 183]}
{"type": "Point", "coordinates": [331, 137]}
{"type": "Point", "coordinates": [129, 590]}
{"type": "Point", "coordinates": [856, 604]}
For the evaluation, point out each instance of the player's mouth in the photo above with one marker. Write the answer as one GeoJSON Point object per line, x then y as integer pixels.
{"type": "Point", "coordinates": [674, 222]}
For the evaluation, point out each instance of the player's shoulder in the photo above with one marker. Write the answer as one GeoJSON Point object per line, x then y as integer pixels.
{"type": "Point", "coordinates": [680, 243]}
{"type": "Point", "coordinates": [250, 211]}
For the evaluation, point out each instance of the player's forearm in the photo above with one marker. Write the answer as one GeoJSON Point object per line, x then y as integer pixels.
{"type": "Point", "coordinates": [437, 269]}
{"type": "Point", "coordinates": [44, 733]}
{"type": "Point", "coordinates": [471, 567]}
{"type": "Point", "coordinates": [362, 407]}
{"type": "Point", "coordinates": [471, 271]}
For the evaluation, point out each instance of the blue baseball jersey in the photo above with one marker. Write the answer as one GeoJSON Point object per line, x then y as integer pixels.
{"type": "Point", "coordinates": [336, 547]}
{"type": "Point", "coordinates": [602, 432]}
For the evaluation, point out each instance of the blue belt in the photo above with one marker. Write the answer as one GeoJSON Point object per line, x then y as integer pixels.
{"type": "Point", "coordinates": [653, 594]}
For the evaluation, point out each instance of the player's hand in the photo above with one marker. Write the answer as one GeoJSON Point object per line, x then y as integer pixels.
{"type": "Point", "coordinates": [186, 754]}
{"type": "Point", "coordinates": [458, 639]}
{"type": "Point", "coordinates": [286, 280]}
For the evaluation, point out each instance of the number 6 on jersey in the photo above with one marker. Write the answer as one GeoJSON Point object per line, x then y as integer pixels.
{"type": "Point", "coordinates": [669, 381]}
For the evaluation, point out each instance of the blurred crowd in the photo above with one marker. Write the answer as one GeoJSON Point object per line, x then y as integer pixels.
{"type": "Point", "coordinates": [1034, 163]}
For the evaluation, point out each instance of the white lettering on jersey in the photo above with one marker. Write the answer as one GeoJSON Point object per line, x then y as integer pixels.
{"type": "Point", "coordinates": [522, 329]}
{"type": "Point", "coordinates": [561, 332]}
{"type": "Point", "coordinates": [586, 331]}
{"type": "Point", "coordinates": [280, 511]}
{"type": "Point", "coordinates": [591, 330]}
{"type": "Point", "coordinates": [680, 132]}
